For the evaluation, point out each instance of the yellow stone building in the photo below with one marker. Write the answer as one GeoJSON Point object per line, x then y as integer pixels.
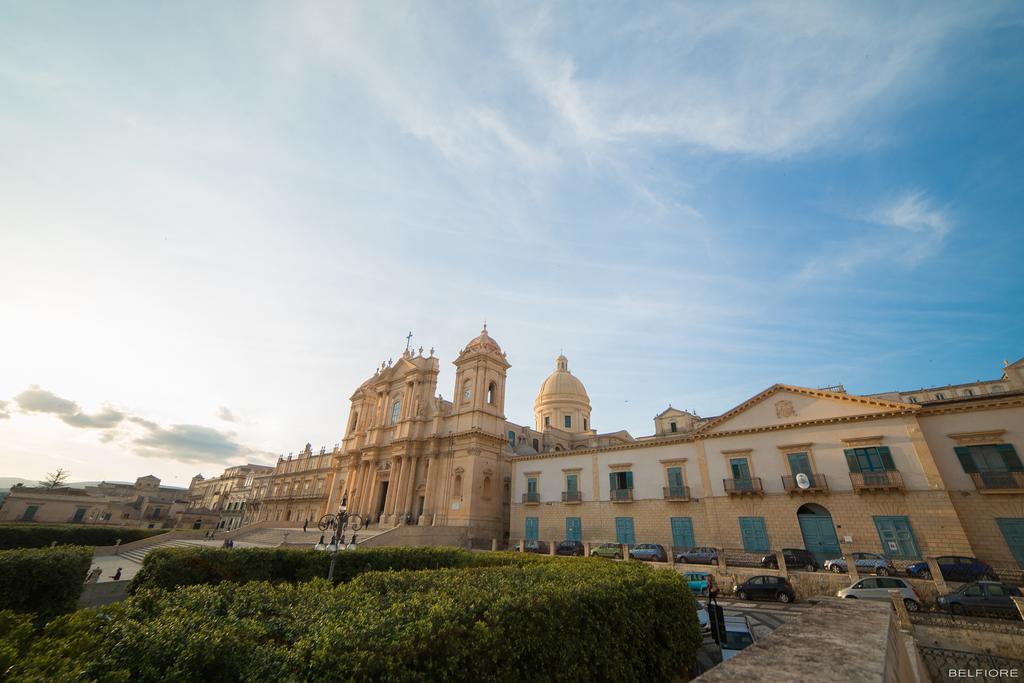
{"type": "Point", "coordinates": [911, 474]}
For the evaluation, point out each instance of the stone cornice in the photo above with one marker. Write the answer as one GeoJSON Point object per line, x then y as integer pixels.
{"type": "Point", "coordinates": [1007, 400]}
{"type": "Point", "coordinates": [991, 436]}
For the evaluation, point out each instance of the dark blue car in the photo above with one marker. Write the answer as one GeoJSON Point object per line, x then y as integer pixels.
{"type": "Point", "coordinates": [954, 568]}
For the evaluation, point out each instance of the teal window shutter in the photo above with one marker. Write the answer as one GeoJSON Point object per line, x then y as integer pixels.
{"type": "Point", "coordinates": [611, 481]}
{"type": "Point", "coordinates": [629, 479]}
{"type": "Point", "coordinates": [1010, 457]}
{"type": "Point", "coordinates": [887, 463]}
{"type": "Point", "coordinates": [966, 459]}
{"type": "Point", "coordinates": [851, 460]}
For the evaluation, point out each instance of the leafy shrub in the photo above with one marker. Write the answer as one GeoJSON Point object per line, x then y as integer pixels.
{"type": "Point", "coordinates": [25, 535]}
{"type": "Point", "coordinates": [570, 620]}
{"type": "Point", "coordinates": [47, 581]}
{"type": "Point", "coordinates": [173, 567]}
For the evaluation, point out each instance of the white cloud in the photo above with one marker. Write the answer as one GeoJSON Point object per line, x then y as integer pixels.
{"type": "Point", "coordinates": [904, 230]}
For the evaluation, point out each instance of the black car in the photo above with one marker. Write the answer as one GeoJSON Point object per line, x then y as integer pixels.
{"type": "Point", "coordinates": [985, 598]}
{"type": "Point", "coordinates": [571, 548]}
{"type": "Point", "coordinates": [539, 547]}
{"type": "Point", "coordinates": [766, 588]}
{"type": "Point", "coordinates": [796, 558]}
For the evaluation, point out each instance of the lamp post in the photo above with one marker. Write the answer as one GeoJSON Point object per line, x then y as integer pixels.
{"type": "Point", "coordinates": [337, 524]}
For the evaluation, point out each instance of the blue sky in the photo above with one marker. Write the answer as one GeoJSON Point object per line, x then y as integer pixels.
{"type": "Point", "coordinates": [215, 221]}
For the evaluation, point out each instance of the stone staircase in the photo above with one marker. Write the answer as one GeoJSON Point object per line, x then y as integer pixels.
{"type": "Point", "coordinates": [295, 536]}
{"type": "Point", "coordinates": [138, 554]}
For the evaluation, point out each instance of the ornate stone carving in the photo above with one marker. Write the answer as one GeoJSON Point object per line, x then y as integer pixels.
{"type": "Point", "coordinates": [784, 408]}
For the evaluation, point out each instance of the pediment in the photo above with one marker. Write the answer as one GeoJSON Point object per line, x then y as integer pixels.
{"type": "Point", "coordinates": [672, 412]}
{"type": "Point", "coordinates": [783, 404]}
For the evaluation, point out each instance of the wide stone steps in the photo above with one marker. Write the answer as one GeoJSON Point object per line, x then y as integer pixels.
{"type": "Point", "coordinates": [138, 554]}
{"type": "Point", "coordinates": [294, 536]}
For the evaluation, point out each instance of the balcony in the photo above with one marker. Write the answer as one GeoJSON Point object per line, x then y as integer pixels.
{"type": "Point", "coordinates": [994, 482]}
{"type": "Point", "coordinates": [744, 487]}
{"type": "Point", "coordinates": [877, 481]}
{"type": "Point", "coordinates": [531, 498]}
{"type": "Point", "coordinates": [621, 495]}
{"type": "Point", "coordinates": [572, 497]}
{"type": "Point", "coordinates": [676, 492]}
{"type": "Point", "coordinates": [817, 484]}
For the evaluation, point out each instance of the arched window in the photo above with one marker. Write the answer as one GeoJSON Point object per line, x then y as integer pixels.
{"type": "Point", "coordinates": [467, 390]}
{"type": "Point", "coordinates": [585, 427]}
{"type": "Point", "coordinates": [672, 427]}
{"type": "Point", "coordinates": [492, 391]}
{"type": "Point", "coordinates": [457, 486]}
{"type": "Point", "coordinates": [511, 439]}
{"type": "Point", "coordinates": [355, 420]}
{"type": "Point", "coordinates": [396, 410]}
{"type": "Point", "coordinates": [536, 445]}
{"type": "Point", "coordinates": [487, 488]}
{"type": "Point", "coordinates": [557, 447]}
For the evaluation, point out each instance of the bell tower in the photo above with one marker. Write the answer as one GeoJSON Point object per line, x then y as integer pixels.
{"type": "Point", "coordinates": [479, 397]}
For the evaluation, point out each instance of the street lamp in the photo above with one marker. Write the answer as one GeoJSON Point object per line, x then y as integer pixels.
{"type": "Point", "coordinates": [337, 524]}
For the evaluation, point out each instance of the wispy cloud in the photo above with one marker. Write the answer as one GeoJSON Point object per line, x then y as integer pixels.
{"type": "Point", "coordinates": [4, 413]}
{"type": "Point", "coordinates": [903, 231]}
{"type": "Point", "coordinates": [224, 413]}
{"type": "Point", "coordinates": [189, 443]}
{"type": "Point", "coordinates": [37, 400]}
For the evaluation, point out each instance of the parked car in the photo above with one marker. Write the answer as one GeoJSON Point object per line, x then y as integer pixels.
{"type": "Point", "coordinates": [954, 568]}
{"type": "Point", "coordinates": [796, 558]}
{"type": "Point", "coordinates": [738, 636]}
{"type": "Point", "coordinates": [866, 563]}
{"type": "Point", "coordinates": [650, 552]}
{"type": "Point", "coordinates": [571, 548]}
{"type": "Point", "coordinates": [766, 587]}
{"type": "Point", "coordinates": [699, 582]}
{"type": "Point", "coordinates": [539, 547]}
{"type": "Point", "coordinates": [610, 550]}
{"type": "Point", "coordinates": [982, 598]}
{"type": "Point", "coordinates": [703, 618]}
{"type": "Point", "coordinates": [878, 587]}
{"type": "Point", "coordinates": [698, 556]}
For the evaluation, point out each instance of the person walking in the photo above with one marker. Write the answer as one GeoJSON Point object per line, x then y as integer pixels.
{"type": "Point", "coordinates": [305, 524]}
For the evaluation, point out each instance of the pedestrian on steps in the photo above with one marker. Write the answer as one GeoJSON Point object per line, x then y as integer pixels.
{"type": "Point", "coordinates": [305, 524]}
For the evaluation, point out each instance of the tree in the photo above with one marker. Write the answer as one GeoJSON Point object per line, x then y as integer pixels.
{"type": "Point", "coordinates": [55, 480]}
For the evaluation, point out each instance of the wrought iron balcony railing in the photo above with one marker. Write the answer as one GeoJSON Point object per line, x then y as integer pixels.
{"type": "Point", "coordinates": [816, 482]}
{"type": "Point", "coordinates": [676, 492]}
{"type": "Point", "coordinates": [533, 497]}
{"type": "Point", "coordinates": [998, 481]}
{"type": "Point", "coordinates": [877, 481]}
{"type": "Point", "coordinates": [741, 487]}
{"type": "Point", "coordinates": [572, 496]}
{"type": "Point", "coordinates": [622, 495]}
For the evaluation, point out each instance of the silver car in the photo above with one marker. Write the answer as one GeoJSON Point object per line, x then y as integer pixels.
{"type": "Point", "coordinates": [878, 587]}
{"type": "Point", "coordinates": [867, 563]}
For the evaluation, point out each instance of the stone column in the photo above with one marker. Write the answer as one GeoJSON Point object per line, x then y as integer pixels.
{"type": "Point", "coordinates": [937, 577]}
{"type": "Point", "coordinates": [408, 474]}
{"type": "Point", "coordinates": [429, 490]}
{"type": "Point", "coordinates": [410, 489]}
{"type": "Point", "coordinates": [393, 482]}
{"type": "Point", "coordinates": [364, 488]}
{"type": "Point", "coordinates": [781, 561]}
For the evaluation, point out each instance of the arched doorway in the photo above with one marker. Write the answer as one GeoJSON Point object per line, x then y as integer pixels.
{"type": "Point", "coordinates": [818, 531]}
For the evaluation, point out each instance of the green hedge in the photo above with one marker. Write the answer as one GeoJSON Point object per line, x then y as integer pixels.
{"type": "Point", "coordinates": [46, 581]}
{"type": "Point", "coordinates": [173, 567]}
{"type": "Point", "coordinates": [26, 535]}
{"type": "Point", "coordinates": [574, 620]}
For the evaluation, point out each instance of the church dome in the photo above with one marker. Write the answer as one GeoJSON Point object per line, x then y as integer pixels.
{"type": "Point", "coordinates": [483, 342]}
{"type": "Point", "coordinates": [562, 384]}
{"type": "Point", "coordinates": [563, 402]}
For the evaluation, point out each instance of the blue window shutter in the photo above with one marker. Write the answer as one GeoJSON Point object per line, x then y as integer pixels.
{"type": "Point", "coordinates": [1010, 457]}
{"type": "Point", "coordinates": [611, 481]}
{"type": "Point", "coordinates": [966, 459]}
{"type": "Point", "coordinates": [851, 460]}
{"type": "Point", "coordinates": [886, 456]}
{"type": "Point", "coordinates": [629, 479]}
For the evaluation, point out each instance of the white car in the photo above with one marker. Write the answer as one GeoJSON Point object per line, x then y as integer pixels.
{"type": "Point", "coordinates": [703, 619]}
{"type": "Point", "coordinates": [738, 636]}
{"type": "Point", "coordinates": [878, 587]}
